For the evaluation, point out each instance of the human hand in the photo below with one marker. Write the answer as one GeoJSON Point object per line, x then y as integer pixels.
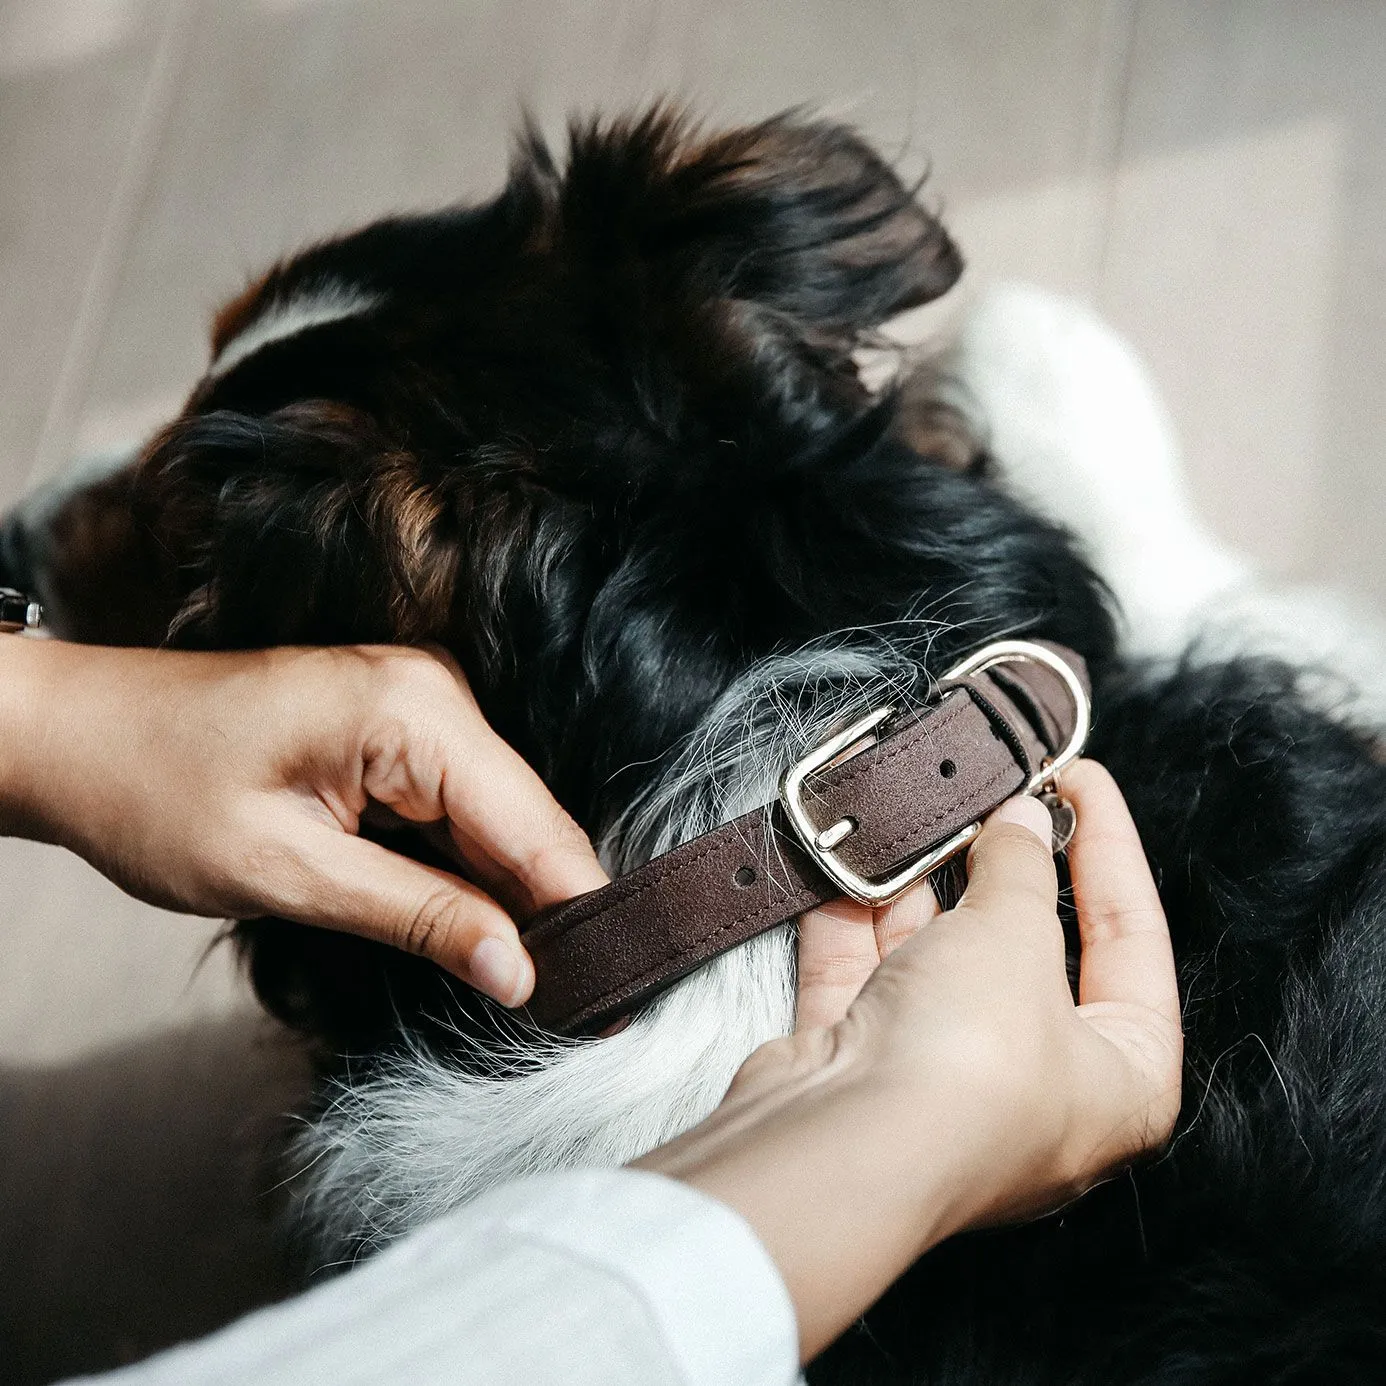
{"type": "Point", "coordinates": [960, 1085]}
{"type": "Point", "coordinates": [235, 785]}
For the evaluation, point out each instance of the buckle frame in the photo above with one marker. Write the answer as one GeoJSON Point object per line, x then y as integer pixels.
{"type": "Point", "coordinates": [820, 844]}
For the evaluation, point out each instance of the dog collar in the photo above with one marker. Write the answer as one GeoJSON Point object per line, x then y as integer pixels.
{"type": "Point", "coordinates": [866, 814]}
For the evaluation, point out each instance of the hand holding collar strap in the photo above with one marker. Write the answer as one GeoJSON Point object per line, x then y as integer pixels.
{"type": "Point", "coordinates": [869, 812]}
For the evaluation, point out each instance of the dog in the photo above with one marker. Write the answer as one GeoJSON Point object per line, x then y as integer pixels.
{"type": "Point", "coordinates": [608, 439]}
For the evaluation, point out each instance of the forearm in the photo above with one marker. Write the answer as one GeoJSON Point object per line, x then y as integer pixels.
{"type": "Point", "coordinates": [844, 1185]}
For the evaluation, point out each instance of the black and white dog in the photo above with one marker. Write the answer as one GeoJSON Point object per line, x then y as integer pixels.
{"type": "Point", "coordinates": [607, 438]}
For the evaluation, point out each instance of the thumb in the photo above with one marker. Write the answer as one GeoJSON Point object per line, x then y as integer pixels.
{"type": "Point", "coordinates": [360, 887]}
{"type": "Point", "coordinates": [1010, 868]}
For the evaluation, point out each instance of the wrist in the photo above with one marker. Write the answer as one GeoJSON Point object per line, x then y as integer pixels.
{"type": "Point", "coordinates": [27, 694]}
{"type": "Point", "coordinates": [845, 1180]}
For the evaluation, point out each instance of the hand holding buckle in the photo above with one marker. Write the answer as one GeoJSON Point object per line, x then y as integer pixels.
{"type": "Point", "coordinates": [861, 734]}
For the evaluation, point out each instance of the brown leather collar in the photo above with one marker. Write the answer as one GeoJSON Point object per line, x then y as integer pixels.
{"type": "Point", "coordinates": [1003, 723]}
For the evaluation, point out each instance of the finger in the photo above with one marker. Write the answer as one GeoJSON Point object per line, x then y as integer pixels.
{"type": "Point", "coordinates": [508, 825]}
{"type": "Point", "coordinates": [837, 953]}
{"type": "Point", "coordinates": [1127, 954]}
{"type": "Point", "coordinates": [505, 824]}
{"type": "Point", "coordinates": [362, 888]}
{"type": "Point", "coordinates": [1010, 869]}
{"type": "Point", "coordinates": [900, 920]}
{"type": "Point", "coordinates": [841, 944]}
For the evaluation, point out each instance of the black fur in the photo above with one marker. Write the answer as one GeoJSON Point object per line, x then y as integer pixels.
{"type": "Point", "coordinates": [603, 438]}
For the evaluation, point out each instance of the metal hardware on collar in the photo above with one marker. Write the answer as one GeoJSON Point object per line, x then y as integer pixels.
{"type": "Point", "coordinates": [852, 740]}
{"type": "Point", "coordinates": [1020, 652]}
{"type": "Point", "coordinates": [19, 611]}
{"type": "Point", "coordinates": [820, 844]}
{"type": "Point", "coordinates": [896, 795]}
{"type": "Point", "coordinates": [1063, 820]}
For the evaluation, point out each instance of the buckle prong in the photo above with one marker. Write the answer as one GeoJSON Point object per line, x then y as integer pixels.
{"type": "Point", "coordinates": [839, 832]}
{"type": "Point", "coordinates": [819, 843]}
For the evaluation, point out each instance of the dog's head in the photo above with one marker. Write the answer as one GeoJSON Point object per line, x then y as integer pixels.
{"type": "Point", "coordinates": [604, 438]}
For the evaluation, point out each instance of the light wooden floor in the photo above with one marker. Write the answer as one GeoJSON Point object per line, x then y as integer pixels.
{"type": "Point", "coordinates": [1210, 173]}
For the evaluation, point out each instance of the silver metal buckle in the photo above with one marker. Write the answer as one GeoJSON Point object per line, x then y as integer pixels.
{"type": "Point", "coordinates": [863, 733]}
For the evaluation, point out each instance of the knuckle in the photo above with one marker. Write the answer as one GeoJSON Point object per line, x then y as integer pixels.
{"type": "Point", "coordinates": [256, 848]}
{"type": "Point", "coordinates": [567, 840]}
{"type": "Point", "coordinates": [437, 920]}
{"type": "Point", "coordinates": [820, 969]}
{"type": "Point", "coordinates": [369, 663]}
{"type": "Point", "coordinates": [1078, 1176]}
{"type": "Point", "coordinates": [444, 661]}
{"type": "Point", "coordinates": [558, 846]}
{"type": "Point", "coordinates": [411, 697]}
{"type": "Point", "coordinates": [1108, 918]}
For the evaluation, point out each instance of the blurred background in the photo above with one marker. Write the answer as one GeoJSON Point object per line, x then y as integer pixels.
{"type": "Point", "coordinates": [1209, 174]}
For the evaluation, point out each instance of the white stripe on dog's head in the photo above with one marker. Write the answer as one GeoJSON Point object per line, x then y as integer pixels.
{"type": "Point", "coordinates": [327, 301]}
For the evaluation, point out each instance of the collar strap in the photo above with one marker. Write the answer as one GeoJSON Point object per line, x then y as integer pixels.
{"type": "Point", "coordinates": [866, 814]}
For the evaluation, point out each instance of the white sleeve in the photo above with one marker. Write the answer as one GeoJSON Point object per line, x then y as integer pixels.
{"type": "Point", "coordinates": [584, 1278]}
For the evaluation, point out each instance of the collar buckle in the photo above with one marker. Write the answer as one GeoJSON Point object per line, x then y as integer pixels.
{"type": "Point", "coordinates": [820, 844]}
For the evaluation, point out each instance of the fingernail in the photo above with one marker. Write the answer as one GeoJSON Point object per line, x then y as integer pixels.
{"type": "Point", "coordinates": [496, 970]}
{"type": "Point", "coordinates": [1028, 813]}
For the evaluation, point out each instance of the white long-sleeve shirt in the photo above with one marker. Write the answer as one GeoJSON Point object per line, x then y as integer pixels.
{"type": "Point", "coordinates": [584, 1278]}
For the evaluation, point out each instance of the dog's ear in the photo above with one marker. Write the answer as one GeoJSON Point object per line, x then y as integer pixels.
{"type": "Point", "coordinates": [799, 217]}
{"type": "Point", "coordinates": [304, 525]}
